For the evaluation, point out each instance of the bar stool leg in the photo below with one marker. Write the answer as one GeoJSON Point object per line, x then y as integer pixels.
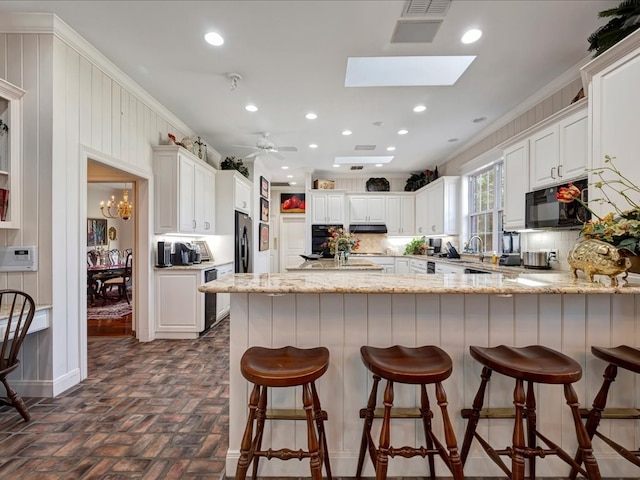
{"type": "Point", "coordinates": [365, 443]}
{"type": "Point", "coordinates": [246, 449]}
{"type": "Point", "coordinates": [312, 441]}
{"type": "Point", "coordinates": [454, 458]}
{"type": "Point", "coordinates": [317, 412]}
{"type": "Point", "coordinates": [595, 415]}
{"type": "Point", "coordinates": [382, 461]}
{"type": "Point", "coordinates": [531, 427]}
{"type": "Point", "coordinates": [584, 442]}
{"type": "Point", "coordinates": [472, 424]}
{"type": "Point", "coordinates": [261, 414]}
{"type": "Point", "coordinates": [427, 415]}
{"type": "Point", "coordinates": [517, 459]}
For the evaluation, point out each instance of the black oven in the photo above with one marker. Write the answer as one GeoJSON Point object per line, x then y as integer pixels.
{"type": "Point", "coordinates": [319, 234]}
{"type": "Point", "coordinates": [543, 210]}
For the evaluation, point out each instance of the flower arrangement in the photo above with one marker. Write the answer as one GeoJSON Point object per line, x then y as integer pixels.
{"type": "Point", "coordinates": [620, 228]}
{"type": "Point", "coordinates": [341, 241]}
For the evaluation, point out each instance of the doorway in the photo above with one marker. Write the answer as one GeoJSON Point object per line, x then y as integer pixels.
{"type": "Point", "coordinates": [292, 241]}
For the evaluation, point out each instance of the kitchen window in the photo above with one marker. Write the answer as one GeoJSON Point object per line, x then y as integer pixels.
{"type": "Point", "coordinates": [486, 205]}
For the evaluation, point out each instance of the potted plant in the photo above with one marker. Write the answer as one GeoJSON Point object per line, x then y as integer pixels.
{"type": "Point", "coordinates": [626, 20]}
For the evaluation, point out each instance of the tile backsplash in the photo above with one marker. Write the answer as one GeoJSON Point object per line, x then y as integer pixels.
{"type": "Point", "coordinates": [560, 240]}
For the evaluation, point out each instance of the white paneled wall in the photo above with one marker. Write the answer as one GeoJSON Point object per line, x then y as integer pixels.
{"type": "Point", "coordinates": [342, 323]}
{"type": "Point", "coordinates": [76, 101]}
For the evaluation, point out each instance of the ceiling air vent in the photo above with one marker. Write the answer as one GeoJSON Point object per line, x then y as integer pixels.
{"type": "Point", "coordinates": [356, 167]}
{"type": "Point", "coordinates": [365, 147]}
{"type": "Point", "coordinates": [415, 31]}
{"type": "Point", "coordinates": [421, 8]}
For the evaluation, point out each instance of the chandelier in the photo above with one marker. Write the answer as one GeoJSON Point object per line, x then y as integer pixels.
{"type": "Point", "coordinates": [123, 209]}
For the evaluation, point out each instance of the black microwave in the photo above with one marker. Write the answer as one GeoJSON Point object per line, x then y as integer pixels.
{"type": "Point", "coordinates": [543, 210]}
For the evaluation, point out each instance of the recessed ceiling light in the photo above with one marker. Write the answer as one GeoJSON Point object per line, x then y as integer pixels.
{"type": "Point", "coordinates": [214, 39]}
{"type": "Point", "coordinates": [378, 164]}
{"type": "Point", "coordinates": [471, 36]}
{"type": "Point", "coordinates": [293, 183]}
{"type": "Point", "coordinates": [347, 132]}
{"type": "Point", "coordinates": [311, 116]}
{"type": "Point", "coordinates": [289, 176]}
{"type": "Point", "coordinates": [419, 108]}
{"type": "Point", "coordinates": [335, 165]}
{"type": "Point", "coordinates": [479, 119]}
{"type": "Point", "coordinates": [451, 140]}
{"type": "Point", "coordinates": [251, 108]}
{"type": "Point", "coordinates": [313, 145]}
{"type": "Point", "coordinates": [390, 149]}
{"type": "Point", "coordinates": [403, 131]}
{"type": "Point", "coordinates": [284, 167]}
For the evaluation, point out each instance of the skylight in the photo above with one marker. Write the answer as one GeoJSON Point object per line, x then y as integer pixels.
{"type": "Point", "coordinates": [405, 71]}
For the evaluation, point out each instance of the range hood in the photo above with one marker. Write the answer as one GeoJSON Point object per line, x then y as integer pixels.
{"type": "Point", "coordinates": [368, 228]}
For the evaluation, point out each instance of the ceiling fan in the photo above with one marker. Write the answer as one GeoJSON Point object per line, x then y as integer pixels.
{"type": "Point", "coordinates": [266, 146]}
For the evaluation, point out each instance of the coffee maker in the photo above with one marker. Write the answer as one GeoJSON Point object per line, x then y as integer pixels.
{"type": "Point", "coordinates": [182, 254]}
{"type": "Point", "coordinates": [164, 254]}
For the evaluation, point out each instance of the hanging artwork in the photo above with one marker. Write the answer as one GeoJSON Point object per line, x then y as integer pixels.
{"type": "Point", "coordinates": [96, 231]}
{"type": "Point", "coordinates": [264, 210]}
{"type": "Point", "coordinates": [292, 203]}
{"type": "Point", "coordinates": [264, 187]}
{"type": "Point", "coordinates": [264, 236]}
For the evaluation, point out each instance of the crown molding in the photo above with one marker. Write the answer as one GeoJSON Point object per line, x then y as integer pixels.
{"type": "Point", "coordinates": [609, 57]}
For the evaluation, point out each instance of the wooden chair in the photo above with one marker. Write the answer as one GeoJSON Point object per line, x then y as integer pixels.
{"type": "Point", "coordinates": [18, 308]}
{"type": "Point", "coordinates": [414, 366]}
{"type": "Point", "coordinates": [115, 256]}
{"type": "Point", "coordinates": [120, 280]}
{"type": "Point", "coordinates": [532, 364]}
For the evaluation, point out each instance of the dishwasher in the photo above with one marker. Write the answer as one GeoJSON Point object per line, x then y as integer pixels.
{"type": "Point", "coordinates": [210, 307]}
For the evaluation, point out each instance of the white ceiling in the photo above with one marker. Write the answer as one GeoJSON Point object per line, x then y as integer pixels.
{"type": "Point", "coordinates": [292, 56]}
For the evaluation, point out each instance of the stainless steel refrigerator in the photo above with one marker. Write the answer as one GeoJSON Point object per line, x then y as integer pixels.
{"type": "Point", "coordinates": [244, 250]}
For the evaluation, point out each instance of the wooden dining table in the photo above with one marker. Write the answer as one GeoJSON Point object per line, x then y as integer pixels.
{"type": "Point", "coordinates": [101, 272]}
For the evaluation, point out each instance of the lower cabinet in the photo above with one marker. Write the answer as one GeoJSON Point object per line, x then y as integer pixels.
{"type": "Point", "coordinates": [402, 266]}
{"type": "Point", "coordinates": [388, 263]}
{"type": "Point", "coordinates": [179, 306]}
{"type": "Point", "coordinates": [446, 268]}
{"type": "Point", "coordinates": [223, 300]}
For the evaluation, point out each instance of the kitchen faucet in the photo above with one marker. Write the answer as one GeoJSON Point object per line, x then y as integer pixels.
{"type": "Point", "coordinates": [481, 250]}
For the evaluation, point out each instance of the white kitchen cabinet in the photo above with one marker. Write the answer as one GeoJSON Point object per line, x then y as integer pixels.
{"type": "Point", "coordinates": [402, 266]}
{"type": "Point", "coordinates": [400, 214]}
{"type": "Point", "coordinates": [327, 208]}
{"type": "Point", "coordinates": [516, 184]}
{"type": "Point", "coordinates": [179, 306]}
{"type": "Point", "coordinates": [558, 150]}
{"type": "Point", "coordinates": [367, 209]}
{"type": "Point", "coordinates": [388, 263]}
{"type": "Point", "coordinates": [233, 192]}
{"type": "Point", "coordinates": [611, 83]}
{"type": "Point", "coordinates": [184, 192]}
{"type": "Point", "coordinates": [437, 204]}
{"type": "Point", "coordinates": [223, 300]}
{"type": "Point", "coordinates": [11, 167]}
{"type": "Point", "coordinates": [418, 265]}
{"type": "Point", "coordinates": [446, 268]}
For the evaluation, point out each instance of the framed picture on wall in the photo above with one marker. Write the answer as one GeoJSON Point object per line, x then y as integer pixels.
{"type": "Point", "coordinates": [264, 187]}
{"type": "Point", "coordinates": [292, 203]}
{"type": "Point", "coordinates": [96, 231]}
{"type": "Point", "coordinates": [264, 236]}
{"type": "Point", "coordinates": [264, 210]}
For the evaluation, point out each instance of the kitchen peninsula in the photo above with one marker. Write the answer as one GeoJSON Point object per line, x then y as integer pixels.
{"type": "Point", "coordinates": [348, 309]}
{"type": "Point", "coordinates": [330, 265]}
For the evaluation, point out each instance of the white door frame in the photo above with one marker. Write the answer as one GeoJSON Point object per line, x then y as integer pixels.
{"type": "Point", "coordinates": [286, 219]}
{"type": "Point", "coordinates": [142, 268]}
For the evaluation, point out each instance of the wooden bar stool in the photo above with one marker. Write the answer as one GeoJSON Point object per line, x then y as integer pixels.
{"type": "Point", "coordinates": [284, 367]}
{"type": "Point", "coordinates": [533, 364]}
{"type": "Point", "coordinates": [618, 357]}
{"type": "Point", "coordinates": [416, 366]}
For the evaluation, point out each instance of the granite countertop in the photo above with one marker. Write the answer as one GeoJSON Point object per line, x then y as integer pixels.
{"type": "Point", "coordinates": [372, 283]}
{"type": "Point", "coordinates": [354, 264]}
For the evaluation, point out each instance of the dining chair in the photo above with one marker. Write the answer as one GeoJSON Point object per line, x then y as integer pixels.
{"type": "Point", "coordinates": [121, 281]}
{"type": "Point", "coordinates": [93, 258]}
{"type": "Point", "coordinates": [18, 308]}
{"type": "Point", "coordinates": [115, 257]}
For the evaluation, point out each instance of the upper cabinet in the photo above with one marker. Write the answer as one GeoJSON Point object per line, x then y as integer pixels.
{"type": "Point", "coordinates": [327, 207]}
{"type": "Point", "coordinates": [10, 154]}
{"type": "Point", "coordinates": [400, 215]}
{"type": "Point", "coordinates": [558, 151]}
{"type": "Point", "coordinates": [184, 192]}
{"type": "Point", "coordinates": [233, 193]}
{"type": "Point", "coordinates": [516, 184]}
{"type": "Point", "coordinates": [437, 207]}
{"type": "Point", "coordinates": [367, 209]}
{"type": "Point", "coordinates": [611, 80]}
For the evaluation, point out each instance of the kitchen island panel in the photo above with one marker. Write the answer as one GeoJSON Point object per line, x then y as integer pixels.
{"type": "Point", "coordinates": [345, 322]}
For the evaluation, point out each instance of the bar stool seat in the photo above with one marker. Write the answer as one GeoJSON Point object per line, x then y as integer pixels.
{"type": "Point", "coordinates": [284, 367]}
{"type": "Point", "coordinates": [417, 366]}
{"type": "Point", "coordinates": [533, 364]}
{"type": "Point", "coordinates": [625, 357]}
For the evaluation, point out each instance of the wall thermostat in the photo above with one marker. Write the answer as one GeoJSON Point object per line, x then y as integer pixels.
{"type": "Point", "coordinates": [19, 259]}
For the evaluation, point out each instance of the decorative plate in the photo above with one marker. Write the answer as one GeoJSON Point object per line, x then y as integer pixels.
{"type": "Point", "coordinates": [377, 185]}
